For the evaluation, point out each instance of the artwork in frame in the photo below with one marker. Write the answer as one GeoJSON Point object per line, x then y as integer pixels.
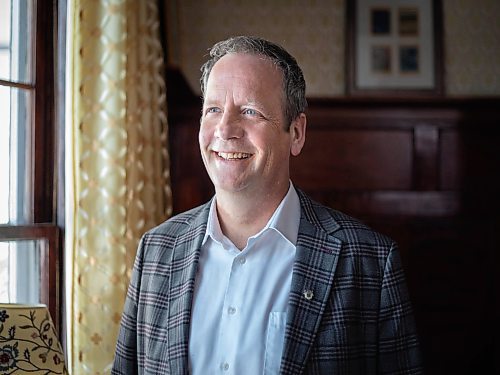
{"type": "Point", "coordinates": [394, 47]}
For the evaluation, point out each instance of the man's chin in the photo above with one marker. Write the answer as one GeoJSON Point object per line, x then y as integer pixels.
{"type": "Point", "coordinates": [231, 187]}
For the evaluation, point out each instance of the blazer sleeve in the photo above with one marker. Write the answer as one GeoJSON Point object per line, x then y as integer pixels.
{"type": "Point", "coordinates": [126, 362]}
{"type": "Point", "coordinates": [398, 343]}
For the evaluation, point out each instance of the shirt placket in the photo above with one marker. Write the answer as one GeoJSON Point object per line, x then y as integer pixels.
{"type": "Point", "coordinates": [232, 316]}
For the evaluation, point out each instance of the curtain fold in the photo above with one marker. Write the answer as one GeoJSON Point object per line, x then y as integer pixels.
{"type": "Point", "coordinates": [119, 176]}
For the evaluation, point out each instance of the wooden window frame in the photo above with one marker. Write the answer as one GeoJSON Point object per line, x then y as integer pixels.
{"type": "Point", "coordinates": [44, 155]}
{"type": "Point", "coordinates": [50, 265]}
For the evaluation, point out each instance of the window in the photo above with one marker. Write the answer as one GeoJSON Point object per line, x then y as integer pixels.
{"type": "Point", "coordinates": [29, 236]}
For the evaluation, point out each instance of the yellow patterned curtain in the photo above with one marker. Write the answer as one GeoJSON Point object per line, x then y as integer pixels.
{"type": "Point", "coordinates": [119, 181]}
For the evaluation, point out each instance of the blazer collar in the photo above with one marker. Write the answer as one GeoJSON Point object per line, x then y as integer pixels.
{"type": "Point", "coordinates": [182, 274]}
{"type": "Point", "coordinates": [313, 273]}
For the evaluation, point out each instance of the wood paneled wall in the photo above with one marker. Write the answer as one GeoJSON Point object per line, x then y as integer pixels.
{"type": "Point", "coordinates": [425, 172]}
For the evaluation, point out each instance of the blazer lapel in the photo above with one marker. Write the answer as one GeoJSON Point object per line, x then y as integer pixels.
{"type": "Point", "coordinates": [184, 265]}
{"type": "Point", "coordinates": [316, 258]}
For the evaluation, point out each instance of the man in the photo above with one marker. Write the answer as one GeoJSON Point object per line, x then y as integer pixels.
{"type": "Point", "coordinates": [262, 280]}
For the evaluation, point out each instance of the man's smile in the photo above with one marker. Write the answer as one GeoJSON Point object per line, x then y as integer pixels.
{"type": "Point", "coordinates": [233, 155]}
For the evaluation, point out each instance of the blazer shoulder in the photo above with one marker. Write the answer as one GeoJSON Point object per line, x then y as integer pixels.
{"type": "Point", "coordinates": [354, 230]}
{"type": "Point", "coordinates": [179, 223]}
{"type": "Point", "coordinates": [342, 226]}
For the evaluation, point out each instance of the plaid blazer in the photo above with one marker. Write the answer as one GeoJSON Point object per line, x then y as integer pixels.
{"type": "Point", "coordinates": [358, 321]}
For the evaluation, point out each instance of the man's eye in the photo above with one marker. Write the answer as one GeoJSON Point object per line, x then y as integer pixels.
{"type": "Point", "coordinates": [213, 110]}
{"type": "Point", "coordinates": [250, 111]}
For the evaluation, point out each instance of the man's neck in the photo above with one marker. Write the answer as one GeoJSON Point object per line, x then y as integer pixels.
{"type": "Point", "coordinates": [241, 217]}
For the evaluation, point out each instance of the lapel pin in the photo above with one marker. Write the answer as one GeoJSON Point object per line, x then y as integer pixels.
{"type": "Point", "coordinates": [308, 294]}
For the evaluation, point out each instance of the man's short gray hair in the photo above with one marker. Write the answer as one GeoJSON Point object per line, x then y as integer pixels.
{"type": "Point", "coordinates": [294, 85]}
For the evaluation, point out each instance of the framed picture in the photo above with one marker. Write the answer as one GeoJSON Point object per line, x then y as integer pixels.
{"type": "Point", "coordinates": [394, 48]}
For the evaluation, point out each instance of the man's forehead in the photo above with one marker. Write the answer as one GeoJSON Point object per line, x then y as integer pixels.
{"type": "Point", "coordinates": [221, 95]}
{"type": "Point", "coordinates": [245, 79]}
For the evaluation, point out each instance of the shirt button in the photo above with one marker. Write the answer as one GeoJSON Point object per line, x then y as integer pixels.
{"type": "Point", "coordinates": [224, 366]}
{"type": "Point", "coordinates": [231, 310]}
{"type": "Point", "coordinates": [243, 260]}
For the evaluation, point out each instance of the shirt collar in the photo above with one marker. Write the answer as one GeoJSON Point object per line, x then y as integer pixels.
{"type": "Point", "coordinates": [213, 227]}
{"type": "Point", "coordinates": [285, 219]}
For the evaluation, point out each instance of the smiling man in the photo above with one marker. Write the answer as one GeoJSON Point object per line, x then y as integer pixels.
{"type": "Point", "coordinates": [262, 280]}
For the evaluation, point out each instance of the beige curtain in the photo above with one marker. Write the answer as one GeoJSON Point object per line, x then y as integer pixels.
{"type": "Point", "coordinates": [118, 171]}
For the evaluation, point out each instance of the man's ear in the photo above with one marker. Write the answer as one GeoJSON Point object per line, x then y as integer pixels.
{"type": "Point", "coordinates": [298, 134]}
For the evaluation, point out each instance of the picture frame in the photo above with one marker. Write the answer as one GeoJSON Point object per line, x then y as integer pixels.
{"type": "Point", "coordinates": [394, 48]}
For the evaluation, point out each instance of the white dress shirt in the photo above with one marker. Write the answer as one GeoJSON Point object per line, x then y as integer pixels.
{"type": "Point", "coordinates": [240, 298]}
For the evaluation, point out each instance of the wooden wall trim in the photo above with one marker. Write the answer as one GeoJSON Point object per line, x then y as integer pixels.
{"type": "Point", "coordinates": [439, 136]}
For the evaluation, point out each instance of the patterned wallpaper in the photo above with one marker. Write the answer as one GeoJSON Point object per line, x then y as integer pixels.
{"type": "Point", "coordinates": [313, 31]}
{"type": "Point", "coordinates": [472, 47]}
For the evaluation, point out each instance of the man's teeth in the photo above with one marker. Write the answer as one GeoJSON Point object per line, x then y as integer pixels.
{"type": "Point", "coordinates": [233, 155]}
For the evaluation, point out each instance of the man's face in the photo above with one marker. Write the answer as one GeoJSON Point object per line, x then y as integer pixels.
{"type": "Point", "coordinates": [243, 140]}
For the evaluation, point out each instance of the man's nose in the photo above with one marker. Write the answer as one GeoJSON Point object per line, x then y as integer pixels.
{"type": "Point", "coordinates": [229, 126]}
